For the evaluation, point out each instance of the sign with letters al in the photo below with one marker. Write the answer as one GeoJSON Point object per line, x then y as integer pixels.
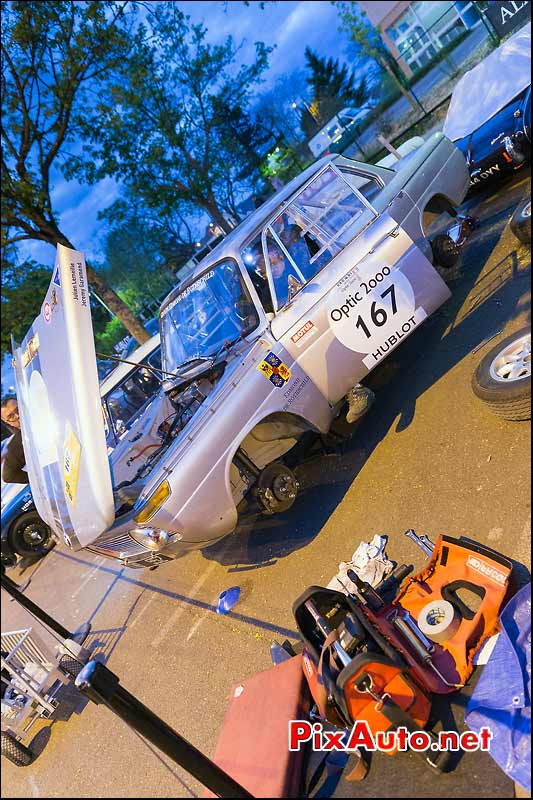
{"type": "Point", "coordinates": [507, 15]}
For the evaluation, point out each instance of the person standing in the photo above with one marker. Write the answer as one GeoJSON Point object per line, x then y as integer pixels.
{"type": "Point", "coordinates": [14, 460]}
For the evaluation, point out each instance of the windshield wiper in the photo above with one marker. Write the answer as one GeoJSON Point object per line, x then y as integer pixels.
{"type": "Point", "coordinates": [199, 359]}
{"type": "Point", "coordinates": [212, 358]}
{"type": "Point", "coordinates": [227, 344]}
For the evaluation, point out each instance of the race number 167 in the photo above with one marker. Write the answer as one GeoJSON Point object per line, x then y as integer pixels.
{"type": "Point", "coordinates": [378, 315]}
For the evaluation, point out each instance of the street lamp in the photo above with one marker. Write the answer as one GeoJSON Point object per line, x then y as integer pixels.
{"type": "Point", "coordinates": [314, 117]}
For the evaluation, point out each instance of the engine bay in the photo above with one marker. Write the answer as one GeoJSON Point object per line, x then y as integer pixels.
{"type": "Point", "coordinates": [153, 431]}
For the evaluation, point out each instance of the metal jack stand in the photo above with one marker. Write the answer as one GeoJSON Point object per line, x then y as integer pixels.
{"type": "Point", "coordinates": [99, 684]}
{"type": "Point", "coordinates": [71, 647]}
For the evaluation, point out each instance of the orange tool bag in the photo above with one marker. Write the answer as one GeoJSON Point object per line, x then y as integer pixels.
{"type": "Point", "coordinates": [352, 672]}
{"type": "Point", "coordinates": [466, 581]}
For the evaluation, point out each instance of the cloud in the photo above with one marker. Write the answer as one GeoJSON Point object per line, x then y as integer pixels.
{"type": "Point", "coordinates": [288, 25]}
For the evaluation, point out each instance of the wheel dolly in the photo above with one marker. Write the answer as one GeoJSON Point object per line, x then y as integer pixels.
{"type": "Point", "coordinates": [96, 682]}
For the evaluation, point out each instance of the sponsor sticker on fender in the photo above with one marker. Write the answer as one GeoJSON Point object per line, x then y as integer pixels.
{"type": "Point", "coordinates": [275, 370]}
{"type": "Point", "coordinates": [488, 570]}
{"type": "Point", "coordinates": [308, 328]}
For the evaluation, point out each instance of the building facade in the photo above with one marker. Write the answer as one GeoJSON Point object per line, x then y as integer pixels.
{"type": "Point", "coordinates": [414, 32]}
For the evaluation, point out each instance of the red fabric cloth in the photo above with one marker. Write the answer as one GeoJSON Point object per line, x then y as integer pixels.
{"type": "Point", "coordinates": [253, 742]}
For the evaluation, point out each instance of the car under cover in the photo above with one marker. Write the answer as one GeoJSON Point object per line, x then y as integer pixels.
{"type": "Point", "coordinates": [487, 88]}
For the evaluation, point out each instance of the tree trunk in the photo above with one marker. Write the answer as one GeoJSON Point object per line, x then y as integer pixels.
{"type": "Point", "coordinates": [112, 300]}
{"type": "Point", "coordinates": [406, 93]}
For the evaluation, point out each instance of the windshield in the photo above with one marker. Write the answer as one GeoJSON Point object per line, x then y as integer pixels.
{"type": "Point", "coordinates": [213, 311]}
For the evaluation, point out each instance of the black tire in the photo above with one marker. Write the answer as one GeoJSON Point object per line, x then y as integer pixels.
{"type": "Point", "coordinates": [509, 398]}
{"type": "Point", "coordinates": [446, 253]}
{"type": "Point", "coordinates": [520, 223]}
{"type": "Point", "coordinates": [22, 535]}
{"type": "Point", "coordinates": [15, 751]}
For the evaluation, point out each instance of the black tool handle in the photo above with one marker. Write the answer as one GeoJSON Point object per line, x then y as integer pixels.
{"type": "Point", "coordinates": [12, 589]}
{"type": "Point", "coordinates": [367, 591]}
{"type": "Point", "coordinates": [449, 593]}
{"type": "Point", "coordinates": [101, 685]}
{"type": "Point", "coordinates": [394, 580]}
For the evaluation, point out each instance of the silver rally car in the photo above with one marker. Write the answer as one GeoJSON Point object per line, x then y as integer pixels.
{"type": "Point", "coordinates": [260, 345]}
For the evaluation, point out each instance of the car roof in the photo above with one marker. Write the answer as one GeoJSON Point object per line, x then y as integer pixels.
{"type": "Point", "coordinates": [122, 370]}
{"type": "Point", "coordinates": [253, 223]}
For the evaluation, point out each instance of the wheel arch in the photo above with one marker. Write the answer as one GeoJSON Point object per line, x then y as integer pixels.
{"type": "Point", "coordinates": [436, 205]}
{"type": "Point", "coordinates": [290, 418]}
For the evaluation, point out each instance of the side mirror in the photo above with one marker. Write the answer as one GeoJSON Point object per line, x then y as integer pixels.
{"type": "Point", "coordinates": [517, 114]}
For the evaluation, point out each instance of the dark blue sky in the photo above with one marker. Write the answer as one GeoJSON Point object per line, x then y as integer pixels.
{"type": "Point", "coordinates": [289, 25]}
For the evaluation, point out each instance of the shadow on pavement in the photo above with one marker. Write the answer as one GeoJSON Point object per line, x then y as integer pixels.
{"type": "Point", "coordinates": [201, 604]}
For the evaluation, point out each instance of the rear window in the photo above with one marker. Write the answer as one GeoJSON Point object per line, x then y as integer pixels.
{"type": "Point", "coordinates": [312, 229]}
{"type": "Point", "coordinates": [317, 224]}
{"type": "Point", "coordinates": [367, 185]}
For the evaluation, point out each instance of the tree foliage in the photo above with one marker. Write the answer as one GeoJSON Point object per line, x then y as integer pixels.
{"type": "Point", "coordinates": [241, 130]}
{"type": "Point", "coordinates": [333, 86]}
{"type": "Point", "coordinates": [54, 55]}
{"type": "Point", "coordinates": [21, 301]}
{"type": "Point", "coordinates": [366, 37]}
{"type": "Point", "coordinates": [163, 128]}
{"type": "Point", "coordinates": [278, 108]}
{"type": "Point", "coordinates": [143, 261]}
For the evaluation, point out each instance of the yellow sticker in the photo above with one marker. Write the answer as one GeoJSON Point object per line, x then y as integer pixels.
{"type": "Point", "coordinates": [71, 464]}
{"type": "Point", "coordinates": [265, 368]}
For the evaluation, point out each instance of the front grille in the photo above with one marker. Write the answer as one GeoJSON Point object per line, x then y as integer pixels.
{"type": "Point", "coordinates": [120, 546]}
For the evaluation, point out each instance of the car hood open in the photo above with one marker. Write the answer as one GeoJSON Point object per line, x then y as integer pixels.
{"type": "Point", "coordinates": [490, 86]}
{"type": "Point", "coordinates": [60, 410]}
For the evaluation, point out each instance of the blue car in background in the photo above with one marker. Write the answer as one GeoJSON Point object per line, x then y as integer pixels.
{"type": "Point", "coordinates": [489, 116]}
{"type": "Point", "coordinates": [23, 531]}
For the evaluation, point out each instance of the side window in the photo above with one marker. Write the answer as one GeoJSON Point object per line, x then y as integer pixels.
{"type": "Point", "coordinates": [368, 186]}
{"type": "Point", "coordinates": [290, 262]}
{"type": "Point", "coordinates": [312, 229]}
{"type": "Point", "coordinates": [126, 399]}
{"type": "Point", "coordinates": [155, 359]}
{"type": "Point", "coordinates": [254, 261]}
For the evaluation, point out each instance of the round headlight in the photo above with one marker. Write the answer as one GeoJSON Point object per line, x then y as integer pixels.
{"type": "Point", "coordinates": [151, 538]}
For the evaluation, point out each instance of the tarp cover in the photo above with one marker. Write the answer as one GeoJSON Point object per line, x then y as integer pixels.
{"type": "Point", "coordinates": [487, 88]}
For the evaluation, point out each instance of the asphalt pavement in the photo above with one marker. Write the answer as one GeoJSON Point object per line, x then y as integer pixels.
{"type": "Point", "coordinates": [428, 455]}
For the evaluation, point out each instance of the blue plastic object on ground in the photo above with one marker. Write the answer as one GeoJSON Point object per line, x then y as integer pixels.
{"type": "Point", "coordinates": [502, 697]}
{"type": "Point", "coordinates": [227, 599]}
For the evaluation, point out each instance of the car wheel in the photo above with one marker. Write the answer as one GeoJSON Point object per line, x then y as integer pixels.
{"type": "Point", "coordinates": [15, 751]}
{"type": "Point", "coordinates": [9, 559]}
{"type": "Point", "coordinates": [30, 536]}
{"type": "Point", "coordinates": [503, 378]}
{"type": "Point", "coordinates": [276, 488]}
{"type": "Point", "coordinates": [521, 221]}
{"type": "Point", "coordinates": [446, 252]}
